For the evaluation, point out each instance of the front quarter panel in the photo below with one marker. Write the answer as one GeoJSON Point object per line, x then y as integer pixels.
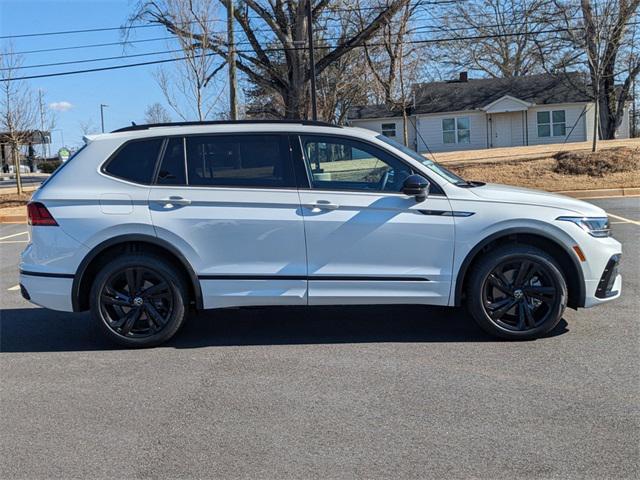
{"type": "Point", "coordinates": [494, 220]}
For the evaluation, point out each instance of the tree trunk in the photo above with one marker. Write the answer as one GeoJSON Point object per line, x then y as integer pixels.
{"type": "Point", "coordinates": [16, 167]}
{"type": "Point", "coordinates": [295, 108]}
{"type": "Point", "coordinates": [405, 126]}
{"type": "Point", "coordinates": [596, 121]}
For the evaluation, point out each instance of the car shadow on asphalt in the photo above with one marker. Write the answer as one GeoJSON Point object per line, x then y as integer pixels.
{"type": "Point", "coordinates": [41, 330]}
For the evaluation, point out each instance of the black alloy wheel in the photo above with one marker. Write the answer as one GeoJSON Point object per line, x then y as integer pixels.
{"type": "Point", "coordinates": [138, 300]}
{"type": "Point", "coordinates": [517, 292]}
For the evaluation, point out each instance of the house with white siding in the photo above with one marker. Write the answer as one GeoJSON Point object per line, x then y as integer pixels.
{"type": "Point", "coordinates": [468, 114]}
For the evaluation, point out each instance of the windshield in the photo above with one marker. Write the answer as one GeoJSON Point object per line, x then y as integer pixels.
{"type": "Point", "coordinates": [430, 164]}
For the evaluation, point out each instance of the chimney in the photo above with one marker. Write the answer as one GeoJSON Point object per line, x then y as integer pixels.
{"type": "Point", "coordinates": [464, 76]}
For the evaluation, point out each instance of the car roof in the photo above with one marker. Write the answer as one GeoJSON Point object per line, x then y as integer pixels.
{"type": "Point", "coordinates": [199, 128]}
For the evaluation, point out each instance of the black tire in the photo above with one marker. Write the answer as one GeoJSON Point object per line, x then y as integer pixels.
{"type": "Point", "coordinates": [510, 304]}
{"type": "Point", "coordinates": [138, 300]}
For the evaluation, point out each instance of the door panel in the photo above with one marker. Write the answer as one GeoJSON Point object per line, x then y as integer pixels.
{"type": "Point", "coordinates": [246, 243]}
{"type": "Point", "coordinates": [375, 245]}
{"type": "Point", "coordinates": [250, 236]}
{"type": "Point", "coordinates": [401, 254]}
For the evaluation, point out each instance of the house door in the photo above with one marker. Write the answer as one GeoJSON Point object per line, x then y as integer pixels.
{"type": "Point", "coordinates": [501, 130]}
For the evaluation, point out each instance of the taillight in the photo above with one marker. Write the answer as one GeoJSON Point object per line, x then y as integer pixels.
{"type": "Point", "coordinates": [39, 215]}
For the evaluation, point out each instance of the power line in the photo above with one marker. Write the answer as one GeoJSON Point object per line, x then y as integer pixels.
{"type": "Point", "coordinates": [147, 54]}
{"type": "Point", "coordinates": [277, 49]}
{"type": "Point", "coordinates": [107, 29]}
{"type": "Point", "coordinates": [109, 44]}
{"type": "Point", "coordinates": [421, 28]}
{"type": "Point", "coordinates": [68, 32]}
{"type": "Point", "coordinates": [89, 60]}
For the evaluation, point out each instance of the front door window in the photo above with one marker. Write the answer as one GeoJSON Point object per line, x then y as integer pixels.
{"type": "Point", "coordinates": [343, 164]}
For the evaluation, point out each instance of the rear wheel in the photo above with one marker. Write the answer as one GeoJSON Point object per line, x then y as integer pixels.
{"type": "Point", "coordinates": [138, 300]}
{"type": "Point", "coordinates": [517, 292]}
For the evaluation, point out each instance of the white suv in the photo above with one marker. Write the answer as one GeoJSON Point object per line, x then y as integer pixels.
{"type": "Point", "coordinates": [149, 221]}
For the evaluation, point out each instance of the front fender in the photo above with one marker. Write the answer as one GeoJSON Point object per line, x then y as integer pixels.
{"type": "Point", "coordinates": [467, 249]}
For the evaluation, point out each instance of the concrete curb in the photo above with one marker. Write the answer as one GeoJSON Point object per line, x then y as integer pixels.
{"type": "Point", "coordinates": [580, 194]}
{"type": "Point", "coordinates": [602, 193]}
{"type": "Point", "coordinates": [13, 219]}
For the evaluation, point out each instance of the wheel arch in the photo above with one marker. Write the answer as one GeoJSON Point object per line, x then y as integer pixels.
{"type": "Point", "coordinates": [129, 243]}
{"type": "Point", "coordinates": [527, 236]}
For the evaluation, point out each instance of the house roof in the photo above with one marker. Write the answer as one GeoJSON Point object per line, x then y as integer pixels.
{"type": "Point", "coordinates": [473, 94]}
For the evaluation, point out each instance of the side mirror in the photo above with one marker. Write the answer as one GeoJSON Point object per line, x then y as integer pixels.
{"type": "Point", "coordinates": [416, 186]}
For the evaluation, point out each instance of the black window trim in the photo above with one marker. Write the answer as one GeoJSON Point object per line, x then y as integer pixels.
{"type": "Point", "coordinates": [105, 164]}
{"type": "Point", "coordinates": [284, 135]}
{"type": "Point", "coordinates": [439, 193]}
{"type": "Point", "coordinates": [167, 138]}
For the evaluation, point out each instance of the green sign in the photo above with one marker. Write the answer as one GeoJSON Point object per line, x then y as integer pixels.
{"type": "Point", "coordinates": [64, 154]}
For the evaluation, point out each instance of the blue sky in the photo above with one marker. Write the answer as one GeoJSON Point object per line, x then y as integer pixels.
{"type": "Point", "coordinates": [127, 91]}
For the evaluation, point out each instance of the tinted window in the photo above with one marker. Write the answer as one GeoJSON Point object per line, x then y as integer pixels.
{"type": "Point", "coordinates": [344, 164]}
{"type": "Point", "coordinates": [239, 160]}
{"type": "Point", "coordinates": [172, 167]}
{"type": "Point", "coordinates": [135, 161]}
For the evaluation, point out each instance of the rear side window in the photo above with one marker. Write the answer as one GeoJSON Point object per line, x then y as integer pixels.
{"type": "Point", "coordinates": [172, 167]}
{"type": "Point", "coordinates": [135, 161]}
{"type": "Point", "coordinates": [259, 160]}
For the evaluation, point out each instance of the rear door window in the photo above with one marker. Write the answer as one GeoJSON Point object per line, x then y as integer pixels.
{"type": "Point", "coordinates": [248, 160]}
{"type": "Point", "coordinates": [135, 161]}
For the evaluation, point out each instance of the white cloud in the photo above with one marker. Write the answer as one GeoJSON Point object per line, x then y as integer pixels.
{"type": "Point", "coordinates": [61, 106]}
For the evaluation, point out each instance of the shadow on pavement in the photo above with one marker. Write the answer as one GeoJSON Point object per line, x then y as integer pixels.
{"type": "Point", "coordinates": [41, 330]}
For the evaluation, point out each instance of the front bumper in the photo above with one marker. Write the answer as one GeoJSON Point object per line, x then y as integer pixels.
{"type": "Point", "coordinates": [608, 287]}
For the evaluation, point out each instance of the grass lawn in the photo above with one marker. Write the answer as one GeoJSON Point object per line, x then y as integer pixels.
{"type": "Point", "coordinates": [539, 174]}
{"type": "Point", "coordinates": [14, 200]}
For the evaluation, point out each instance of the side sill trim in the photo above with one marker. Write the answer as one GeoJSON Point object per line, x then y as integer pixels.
{"type": "Point", "coordinates": [47, 274]}
{"type": "Point", "coordinates": [313, 278]}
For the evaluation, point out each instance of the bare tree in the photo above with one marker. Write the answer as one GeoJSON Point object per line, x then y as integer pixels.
{"type": "Point", "coordinates": [87, 126]}
{"type": "Point", "coordinates": [188, 85]}
{"type": "Point", "coordinates": [275, 59]}
{"type": "Point", "coordinates": [342, 85]}
{"type": "Point", "coordinates": [603, 38]}
{"type": "Point", "coordinates": [156, 113]}
{"type": "Point", "coordinates": [394, 63]}
{"type": "Point", "coordinates": [18, 109]}
{"type": "Point", "coordinates": [498, 38]}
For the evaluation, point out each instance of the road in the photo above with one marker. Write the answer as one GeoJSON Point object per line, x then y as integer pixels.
{"type": "Point", "coordinates": [30, 181]}
{"type": "Point", "coordinates": [402, 392]}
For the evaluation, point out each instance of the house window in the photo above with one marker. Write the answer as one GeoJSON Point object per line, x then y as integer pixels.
{"type": "Point", "coordinates": [552, 123]}
{"type": "Point", "coordinates": [389, 129]}
{"type": "Point", "coordinates": [456, 130]}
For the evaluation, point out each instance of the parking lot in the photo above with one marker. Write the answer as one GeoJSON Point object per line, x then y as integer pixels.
{"type": "Point", "coordinates": [372, 392]}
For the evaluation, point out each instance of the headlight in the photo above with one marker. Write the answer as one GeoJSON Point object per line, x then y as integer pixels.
{"type": "Point", "coordinates": [595, 226]}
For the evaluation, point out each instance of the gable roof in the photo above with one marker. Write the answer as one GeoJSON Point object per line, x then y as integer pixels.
{"type": "Point", "coordinates": [474, 94]}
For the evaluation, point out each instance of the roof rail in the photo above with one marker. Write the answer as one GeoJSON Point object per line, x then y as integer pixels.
{"type": "Point", "coordinates": [223, 122]}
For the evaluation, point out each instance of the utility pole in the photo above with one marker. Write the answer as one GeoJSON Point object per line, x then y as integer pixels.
{"type": "Point", "coordinates": [231, 62]}
{"type": "Point", "coordinates": [44, 143]}
{"type": "Point", "coordinates": [102, 106]}
{"type": "Point", "coordinates": [312, 61]}
{"type": "Point", "coordinates": [634, 110]}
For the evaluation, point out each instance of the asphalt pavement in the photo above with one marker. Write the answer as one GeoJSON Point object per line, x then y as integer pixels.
{"type": "Point", "coordinates": [30, 181]}
{"type": "Point", "coordinates": [358, 392]}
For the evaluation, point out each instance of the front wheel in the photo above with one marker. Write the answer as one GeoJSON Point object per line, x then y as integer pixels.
{"type": "Point", "coordinates": [517, 292]}
{"type": "Point", "coordinates": [138, 300]}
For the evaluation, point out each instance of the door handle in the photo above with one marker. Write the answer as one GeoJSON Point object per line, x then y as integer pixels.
{"type": "Point", "coordinates": [323, 205]}
{"type": "Point", "coordinates": [174, 201]}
